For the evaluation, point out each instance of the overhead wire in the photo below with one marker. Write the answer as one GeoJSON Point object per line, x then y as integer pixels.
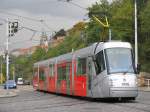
{"type": "Point", "coordinates": [73, 3]}
{"type": "Point", "coordinates": [37, 20]}
{"type": "Point", "coordinates": [77, 5]}
{"type": "Point", "coordinates": [45, 24]}
{"type": "Point", "coordinates": [28, 18]}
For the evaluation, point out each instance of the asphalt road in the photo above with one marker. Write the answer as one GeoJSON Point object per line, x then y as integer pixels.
{"type": "Point", "coordinates": [29, 100]}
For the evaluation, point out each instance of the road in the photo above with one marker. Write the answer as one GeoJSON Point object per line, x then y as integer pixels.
{"type": "Point", "coordinates": [29, 100]}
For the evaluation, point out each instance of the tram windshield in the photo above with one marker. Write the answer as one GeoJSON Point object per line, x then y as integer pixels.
{"type": "Point", "coordinates": [119, 60]}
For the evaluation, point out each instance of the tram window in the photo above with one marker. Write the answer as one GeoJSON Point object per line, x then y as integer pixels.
{"type": "Point", "coordinates": [61, 73]}
{"type": "Point", "coordinates": [64, 73]}
{"type": "Point", "coordinates": [41, 75]}
{"type": "Point", "coordinates": [100, 62]}
{"type": "Point", "coordinates": [81, 68]}
{"type": "Point", "coordinates": [68, 72]}
{"type": "Point", "coordinates": [68, 69]}
{"type": "Point", "coordinates": [51, 70]}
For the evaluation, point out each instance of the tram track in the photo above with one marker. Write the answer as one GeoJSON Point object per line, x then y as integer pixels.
{"type": "Point", "coordinates": [40, 101]}
{"type": "Point", "coordinates": [133, 107]}
{"type": "Point", "coordinates": [56, 105]}
{"type": "Point", "coordinates": [40, 97]}
{"type": "Point", "coordinates": [136, 106]}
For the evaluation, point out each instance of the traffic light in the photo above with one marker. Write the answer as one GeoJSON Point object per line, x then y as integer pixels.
{"type": "Point", "coordinates": [15, 25]}
{"type": "Point", "coordinates": [10, 60]}
{"type": "Point", "coordinates": [12, 28]}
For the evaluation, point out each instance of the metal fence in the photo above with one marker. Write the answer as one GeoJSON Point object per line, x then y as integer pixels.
{"type": "Point", "coordinates": [147, 82]}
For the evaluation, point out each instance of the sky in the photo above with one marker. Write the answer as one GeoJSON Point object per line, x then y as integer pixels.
{"type": "Point", "coordinates": [56, 15]}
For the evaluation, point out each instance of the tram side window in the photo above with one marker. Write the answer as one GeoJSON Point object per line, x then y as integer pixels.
{"type": "Point", "coordinates": [68, 69]}
{"type": "Point", "coordinates": [51, 73]}
{"type": "Point", "coordinates": [81, 68]}
{"type": "Point", "coordinates": [64, 73]}
{"type": "Point", "coordinates": [100, 64]}
{"type": "Point", "coordinates": [41, 75]}
{"type": "Point", "coordinates": [61, 73]}
{"type": "Point", "coordinates": [68, 72]}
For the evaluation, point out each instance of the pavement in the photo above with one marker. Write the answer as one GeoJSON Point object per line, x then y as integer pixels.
{"type": "Point", "coordinates": [7, 93]}
{"type": "Point", "coordinates": [14, 92]}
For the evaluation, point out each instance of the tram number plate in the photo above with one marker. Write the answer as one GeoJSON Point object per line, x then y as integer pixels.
{"type": "Point", "coordinates": [125, 84]}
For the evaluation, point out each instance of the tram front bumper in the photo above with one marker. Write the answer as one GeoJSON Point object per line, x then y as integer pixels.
{"type": "Point", "coordinates": [124, 92]}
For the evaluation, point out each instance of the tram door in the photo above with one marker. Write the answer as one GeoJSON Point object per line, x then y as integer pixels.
{"type": "Point", "coordinates": [81, 77]}
{"type": "Point", "coordinates": [92, 82]}
{"type": "Point", "coordinates": [68, 74]}
{"type": "Point", "coordinates": [46, 79]}
{"type": "Point", "coordinates": [42, 78]}
{"type": "Point", "coordinates": [89, 73]}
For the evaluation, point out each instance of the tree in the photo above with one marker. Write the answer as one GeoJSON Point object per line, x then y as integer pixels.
{"type": "Point", "coordinates": [144, 48]}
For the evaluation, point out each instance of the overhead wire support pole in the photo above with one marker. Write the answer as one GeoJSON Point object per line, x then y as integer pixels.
{"type": "Point", "coordinates": [7, 53]}
{"type": "Point", "coordinates": [136, 40]}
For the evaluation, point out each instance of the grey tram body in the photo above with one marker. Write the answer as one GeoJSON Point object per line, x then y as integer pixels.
{"type": "Point", "coordinates": [103, 84]}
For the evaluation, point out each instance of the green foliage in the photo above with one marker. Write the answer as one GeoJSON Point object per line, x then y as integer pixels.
{"type": "Point", "coordinates": [39, 54]}
{"type": "Point", "coordinates": [122, 21]}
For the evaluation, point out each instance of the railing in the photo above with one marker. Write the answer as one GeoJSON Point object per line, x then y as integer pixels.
{"type": "Point", "coordinates": [147, 82]}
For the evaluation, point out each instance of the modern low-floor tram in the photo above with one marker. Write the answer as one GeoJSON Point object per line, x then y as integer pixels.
{"type": "Point", "coordinates": [102, 70]}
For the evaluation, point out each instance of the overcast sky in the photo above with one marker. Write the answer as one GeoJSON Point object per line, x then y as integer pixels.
{"type": "Point", "coordinates": [56, 14]}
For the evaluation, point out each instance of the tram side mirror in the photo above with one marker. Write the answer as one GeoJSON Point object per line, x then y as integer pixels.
{"type": "Point", "coordinates": [138, 68]}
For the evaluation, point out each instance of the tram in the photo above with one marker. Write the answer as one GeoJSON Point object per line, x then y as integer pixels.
{"type": "Point", "coordinates": [101, 70]}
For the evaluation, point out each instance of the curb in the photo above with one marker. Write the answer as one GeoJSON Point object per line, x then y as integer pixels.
{"type": "Point", "coordinates": [144, 89]}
